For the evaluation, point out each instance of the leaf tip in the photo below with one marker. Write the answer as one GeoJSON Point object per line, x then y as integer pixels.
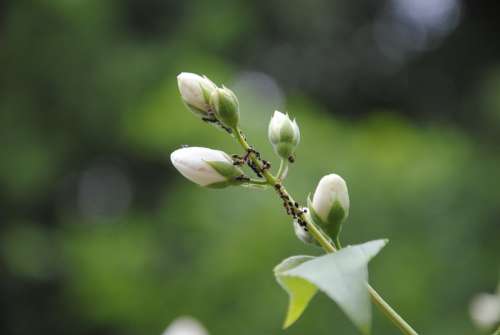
{"type": "Point", "coordinates": [287, 323]}
{"type": "Point", "coordinates": [366, 329]}
{"type": "Point", "coordinates": [290, 319]}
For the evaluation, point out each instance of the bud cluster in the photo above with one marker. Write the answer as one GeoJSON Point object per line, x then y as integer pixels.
{"type": "Point", "coordinates": [209, 102]}
{"type": "Point", "coordinates": [319, 223]}
{"type": "Point", "coordinates": [329, 206]}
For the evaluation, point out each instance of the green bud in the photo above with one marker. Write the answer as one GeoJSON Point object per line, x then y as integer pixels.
{"type": "Point", "coordinates": [284, 134]}
{"type": "Point", "coordinates": [329, 207]}
{"type": "Point", "coordinates": [226, 106]}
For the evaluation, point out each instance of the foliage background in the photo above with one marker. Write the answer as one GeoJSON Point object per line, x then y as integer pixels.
{"type": "Point", "coordinates": [99, 234]}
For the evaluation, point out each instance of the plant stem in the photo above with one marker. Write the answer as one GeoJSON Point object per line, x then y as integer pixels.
{"type": "Point", "coordinates": [253, 181]}
{"type": "Point", "coordinates": [390, 313]}
{"type": "Point", "coordinates": [320, 236]}
{"type": "Point", "coordinates": [497, 332]}
{"type": "Point", "coordinates": [283, 170]}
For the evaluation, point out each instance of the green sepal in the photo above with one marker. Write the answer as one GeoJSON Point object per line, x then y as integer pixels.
{"type": "Point", "coordinates": [287, 133]}
{"type": "Point", "coordinates": [255, 186]}
{"type": "Point", "coordinates": [333, 226]}
{"type": "Point", "coordinates": [221, 184]}
{"type": "Point", "coordinates": [284, 149]}
{"type": "Point", "coordinates": [228, 171]}
{"type": "Point", "coordinates": [226, 107]}
{"type": "Point", "coordinates": [336, 218]}
{"type": "Point", "coordinates": [206, 93]}
{"type": "Point", "coordinates": [225, 169]}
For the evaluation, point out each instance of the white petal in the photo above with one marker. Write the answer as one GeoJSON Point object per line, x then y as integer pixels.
{"type": "Point", "coordinates": [279, 117]}
{"type": "Point", "coordinates": [297, 130]}
{"type": "Point", "coordinates": [274, 126]}
{"type": "Point", "coordinates": [276, 118]}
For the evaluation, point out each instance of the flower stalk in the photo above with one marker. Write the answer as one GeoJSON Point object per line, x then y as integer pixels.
{"type": "Point", "coordinates": [283, 169]}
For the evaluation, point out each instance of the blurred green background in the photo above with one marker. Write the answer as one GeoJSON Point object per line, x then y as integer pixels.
{"type": "Point", "coordinates": [100, 235]}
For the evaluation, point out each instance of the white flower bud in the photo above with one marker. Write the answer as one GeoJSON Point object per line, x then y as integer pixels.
{"type": "Point", "coordinates": [302, 232]}
{"type": "Point", "coordinates": [485, 310]}
{"type": "Point", "coordinates": [284, 134]}
{"type": "Point", "coordinates": [206, 167]}
{"type": "Point", "coordinates": [226, 106]}
{"type": "Point", "coordinates": [185, 325]}
{"type": "Point", "coordinates": [195, 92]}
{"type": "Point", "coordinates": [330, 204]}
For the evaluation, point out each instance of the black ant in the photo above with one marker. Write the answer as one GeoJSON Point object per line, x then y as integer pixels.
{"type": "Point", "coordinates": [238, 160]}
{"type": "Point", "coordinates": [242, 178]}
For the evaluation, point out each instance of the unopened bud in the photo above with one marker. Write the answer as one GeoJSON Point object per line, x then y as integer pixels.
{"type": "Point", "coordinates": [485, 310]}
{"type": "Point", "coordinates": [195, 92]}
{"type": "Point", "coordinates": [302, 232]}
{"type": "Point", "coordinates": [330, 204]}
{"type": "Point", "coordinates": [284, 135]}
{"type": "Point", "coordinates": [206, 167]}
{"type": "Point", "coordinates": [226, 106]}
{"type": "Point", "coordinates": [185, 325]}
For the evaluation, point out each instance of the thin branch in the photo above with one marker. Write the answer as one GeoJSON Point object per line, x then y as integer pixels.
{"type": "Point", "coordinates": [296, 212]}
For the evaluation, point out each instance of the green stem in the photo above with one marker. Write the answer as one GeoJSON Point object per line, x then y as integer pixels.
{"type": "Point", "coordinates": [336, 242]}
{"type": "Point", "coordinates": [283, 170]}
{"type": "Point", "coordinates": [259, 182]}
{"type": "Point", "coordinates": [497, 332]}
{"type": "Point", "coordinates": [325, 241]}
{"type": "Point", "coordinates": [390, 313]}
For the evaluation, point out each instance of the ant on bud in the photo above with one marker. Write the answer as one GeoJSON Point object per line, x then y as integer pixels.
{"type": "Point", "coordinates": [237, 160]}
{"type": "Point", "coordinates": [242, 178]}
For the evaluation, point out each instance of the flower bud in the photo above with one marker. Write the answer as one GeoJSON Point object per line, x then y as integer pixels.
{"type": "Point", "coordinates": [226, 106]}
{"type": "Point", "coordinates": [206, 167]}
{"type": "Point", "coordinates": [185, 325]}
{"type": "Point", "coordinates": [284, 134]}
{"type": "Point", "coordinates": [330, 204]}
{"type": "Point", "coordinates": [195, 92]}
{"type": "Point", "coordinates": [485, 310]}
{"type": "Point", "coordinates": [302, 233]}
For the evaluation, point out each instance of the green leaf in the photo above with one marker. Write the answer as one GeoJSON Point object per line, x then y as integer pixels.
{"type": "Point", "coordinates": [299, 290]}
{"type": "Point", "coordinates": [342, 276]}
